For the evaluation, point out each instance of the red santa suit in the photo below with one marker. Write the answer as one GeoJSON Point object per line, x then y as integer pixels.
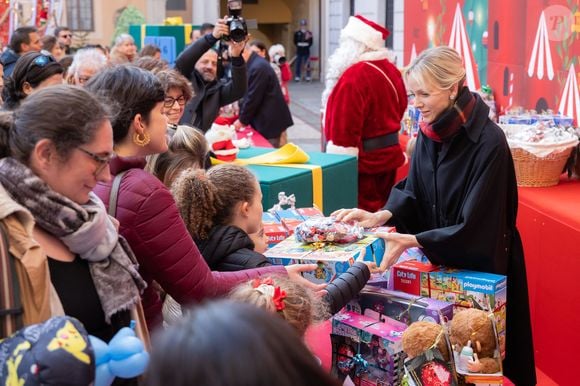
{"type": "Point", "coordinates": [363, 116]}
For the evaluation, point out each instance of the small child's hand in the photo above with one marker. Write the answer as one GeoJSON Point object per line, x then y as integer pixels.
{"type": "Point", "coordinates": [295, 274]}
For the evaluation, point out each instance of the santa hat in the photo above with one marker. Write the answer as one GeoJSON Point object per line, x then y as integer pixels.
{"type": "Point", "coordinates": [365, 31]}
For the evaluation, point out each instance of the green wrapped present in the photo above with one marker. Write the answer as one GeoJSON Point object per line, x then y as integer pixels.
{"type": "Point", "coordinates": [327, 181]}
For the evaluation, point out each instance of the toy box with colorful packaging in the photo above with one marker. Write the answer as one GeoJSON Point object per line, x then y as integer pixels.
{"type": "Point", "coordinates": [331, 259]}
{"type": "Point", "coordinates": [470, 289]}
{"type": "Point", "coordinates": [377, 303]}
{"type": "Point", "coordinates": [412, 277]}
{"type": "Point", "coordinates": [367, 351]}
{"type": "Point", "coordinates": [273, 229]}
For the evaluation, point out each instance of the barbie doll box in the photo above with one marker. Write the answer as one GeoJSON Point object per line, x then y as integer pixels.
{"type": "Point", "coordinates": [367, 351]}
{"type": "Point", "coordinates": [378, 303]}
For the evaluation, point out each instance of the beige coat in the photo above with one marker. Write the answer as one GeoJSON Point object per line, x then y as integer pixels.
{"type": "Point", "coordinates": [39, 298]}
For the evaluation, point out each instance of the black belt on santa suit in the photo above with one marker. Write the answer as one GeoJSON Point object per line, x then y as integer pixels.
{"type": "Point", "coordinates": [380, 142]}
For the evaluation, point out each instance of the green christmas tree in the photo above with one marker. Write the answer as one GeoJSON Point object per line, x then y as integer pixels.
{"type": "Point", "coordinates": [127, 16]}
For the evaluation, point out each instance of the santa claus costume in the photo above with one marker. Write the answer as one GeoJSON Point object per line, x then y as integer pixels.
{"type": "Point", "coordinates": [364, 102]}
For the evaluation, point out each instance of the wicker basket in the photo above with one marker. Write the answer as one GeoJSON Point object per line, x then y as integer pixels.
{"type": "Point", "coordinates": [539, 172]}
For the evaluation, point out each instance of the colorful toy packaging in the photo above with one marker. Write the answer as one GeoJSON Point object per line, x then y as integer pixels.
{"type": "Point", "coordinates": [273, 229]}
{"type": "Point", "coordinates": [366, 351]}
{"type": "Point", "coordinates": [331, 259]}
{"type": "Point", "coordinates": [470, 289]}
{"type": "Point", "coordinates": [412, 277]}
{"type": "Point", "coordinates": [377, 303]}
{"type": "Point", "coordinates": [290, 218]}
{"type": "Point", "coordinates": [327, 229]}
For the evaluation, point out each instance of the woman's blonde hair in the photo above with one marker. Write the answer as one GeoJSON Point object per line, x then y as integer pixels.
{"type": "Point", "coordinates": [301, 306]}
{"type": "Point", "coordinates": [440, 66]}
{"type": "Point", "coordinates": [206, 199]}
{"type": "Point", "coordinates": [186, 149]}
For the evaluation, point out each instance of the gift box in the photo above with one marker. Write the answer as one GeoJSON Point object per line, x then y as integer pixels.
{"type": "Point", "coordinates": [306, 213]}
{"type": "Point", "coordinates": [337, 186]}
{"type": "Point", "coordinates": [290, 218]}
{"type": "Point", "coordinates": [331, 259]}
{"type": "Point", "coordinates": [367, 351]}
{"type": "Point", "coordinates": [171, 39]}
{"type": "Point", "coordinates": [412, 277]}
{"type": "Point", "coordinates": [471, 289]}
{"type": "Point", "coordinates": [378, 303]}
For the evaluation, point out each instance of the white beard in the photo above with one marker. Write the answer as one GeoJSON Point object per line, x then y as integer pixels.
{"type": "Point", "coordinates": [348, 53]}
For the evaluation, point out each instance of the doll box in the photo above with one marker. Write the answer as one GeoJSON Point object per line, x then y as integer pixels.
{"type": "Point", "coordinates": [412, 277]}
{"type": "Point", "coordinates": [332, 259]}
{"type": "Point", "coordinates": [377, 303]}
{"type": "Point", "coordinates": [367, 351]}
{"type": "Point", "coordinates": [339, 180]}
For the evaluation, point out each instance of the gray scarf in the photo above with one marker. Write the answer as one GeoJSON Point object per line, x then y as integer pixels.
{"type": "Point", "coordinates": [85, 229]}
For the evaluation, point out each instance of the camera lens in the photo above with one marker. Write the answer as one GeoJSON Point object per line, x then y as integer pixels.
{"type": "Point", "coordinates": [237, 31]}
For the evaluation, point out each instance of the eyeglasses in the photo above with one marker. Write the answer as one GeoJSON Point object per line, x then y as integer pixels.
{"type": "Point", "coordinates": [83, 79]}
{"type": "Point", "coordinates": [102, 161]}
{"type": "Point", "coordinates": [41, 61]}
{"type": "Point", "coordinates": [169, 101]}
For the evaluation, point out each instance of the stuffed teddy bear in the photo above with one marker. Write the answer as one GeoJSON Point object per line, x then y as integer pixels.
{"type": "Point", "coordinates": [421, 336]}
{"type": "Point", "coordinates": [220, 138]}
{"type": "Point", "coordinates": [476, 326]}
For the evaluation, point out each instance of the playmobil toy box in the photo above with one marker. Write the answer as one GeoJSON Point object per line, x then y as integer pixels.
{"type": "Point", "coordinates": [377, 303]}
{"type": "Point", "coordinates": [366, 351]}
{"type": "Point", "coordinates": [412, 277]}
{"type": "Point", "coordinates": [471, 289]}
{"type": "Point", "coordinates": [306, 213]}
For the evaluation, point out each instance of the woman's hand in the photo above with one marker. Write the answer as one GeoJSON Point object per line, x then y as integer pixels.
{"type": "Point", "coordinates": [396, 244]}
{"type": "Point", "coordinates": [365, 219]}
{"type": "Point", "coordinates": [295, 274]}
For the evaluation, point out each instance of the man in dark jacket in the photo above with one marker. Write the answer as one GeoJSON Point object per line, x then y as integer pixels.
{"type": "Point", "coordinates": [23, 40]}
{"type": "Point", "coordinates": [198, 63]}
{"type": "Point", "coordinates": [263, 106]}
{"type": "Point", "coordinates": [303, 41]}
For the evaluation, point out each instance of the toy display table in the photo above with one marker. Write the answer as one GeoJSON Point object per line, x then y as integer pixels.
{"type": "Point", "coordinates": [549, 223]}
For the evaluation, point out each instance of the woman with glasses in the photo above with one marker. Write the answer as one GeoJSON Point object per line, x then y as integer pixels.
{"type": "Point", "coordinates": [177, 93]}
{"type": "Point", "coordinates": [33, 71]}
{"type": "Point", "coordinates": [145, 208]}
{"type": "Point", "coordinates": [66, 250]}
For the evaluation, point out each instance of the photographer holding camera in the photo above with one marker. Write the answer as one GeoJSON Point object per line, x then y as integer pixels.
{"type": "Point", "coordinates": [278, 58]}
{"type": "Point", "coordinates": [199, 63]}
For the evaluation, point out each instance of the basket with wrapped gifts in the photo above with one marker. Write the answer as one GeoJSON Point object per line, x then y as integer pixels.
{"type": "Point", "coordinates": [540, 152]}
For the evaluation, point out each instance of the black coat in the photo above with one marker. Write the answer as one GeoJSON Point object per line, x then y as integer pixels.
{"type": "Point", "coordinates": [203, 108]}
{"type": "Point", "coordinates": [263, 106]}
{"type": "Point", "coordinates": [228, 248]}
{"type": "Point", "coordinates": [460, 199]}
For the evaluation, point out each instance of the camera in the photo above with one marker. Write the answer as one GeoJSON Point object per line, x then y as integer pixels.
{"type": "Point", "coordinates": [279, 59]}
{"type": "Point", "coordinates": [235, 22]}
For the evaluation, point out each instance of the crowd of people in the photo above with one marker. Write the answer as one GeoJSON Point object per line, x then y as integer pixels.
{"type": "Point", "coordinates": [113, 214]}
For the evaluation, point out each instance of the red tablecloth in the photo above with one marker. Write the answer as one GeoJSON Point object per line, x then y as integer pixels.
{"type": "Point", "coordinates": [257, 138]}
{"type": "Point", "coordinates": [549, 222]}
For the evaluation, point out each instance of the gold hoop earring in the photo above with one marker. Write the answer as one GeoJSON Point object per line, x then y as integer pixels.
{"type": "Point", "coordinates": [141, 139]}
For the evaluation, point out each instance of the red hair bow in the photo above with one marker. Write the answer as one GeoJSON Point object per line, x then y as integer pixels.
{"type": "Point", "coordinates": [278, 298]}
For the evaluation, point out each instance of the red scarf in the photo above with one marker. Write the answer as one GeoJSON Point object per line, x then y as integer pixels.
{"type": "Point", "coordinates": [449, 123]}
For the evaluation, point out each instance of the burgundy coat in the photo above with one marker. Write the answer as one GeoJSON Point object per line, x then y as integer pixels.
{"type": "Point", "coordinates": [165, 250]}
